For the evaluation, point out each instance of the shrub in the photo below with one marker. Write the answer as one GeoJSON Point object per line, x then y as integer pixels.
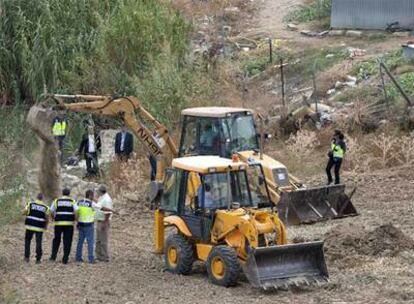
{"type": "Point", "coordinates": [317, 9]}
{"type": "Point", "coordinates": [303, 143]}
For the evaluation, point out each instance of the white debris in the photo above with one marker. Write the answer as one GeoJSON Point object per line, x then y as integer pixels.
{"type": "Point", "coordinates": [356, 52]}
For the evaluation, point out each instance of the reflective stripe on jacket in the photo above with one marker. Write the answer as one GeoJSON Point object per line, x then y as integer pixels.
{"type": "Point", "coordinates": [36, 217]}
{"type": "Point", "coordinates": [64, 211]}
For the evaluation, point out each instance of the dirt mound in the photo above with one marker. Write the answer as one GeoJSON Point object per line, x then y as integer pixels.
{"type": "Point", "coordinates": [346, 240]}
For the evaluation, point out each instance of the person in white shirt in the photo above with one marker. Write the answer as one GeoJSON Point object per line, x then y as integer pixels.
{"type": "Point", "coordinates": [90, 146]}
{"type": "Point", "coordinates": [103, 219]}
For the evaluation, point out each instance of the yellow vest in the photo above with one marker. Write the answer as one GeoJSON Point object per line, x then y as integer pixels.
{"type": "Point", "coordinates": [86, 213]}
{"type": "Point", "coordinates": [338, 152]}
{"type": "Point", "coordinates": [59, 128]}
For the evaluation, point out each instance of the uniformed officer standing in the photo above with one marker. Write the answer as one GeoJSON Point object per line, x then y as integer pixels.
{"type": "Point", "coordinates": [336, 155]}
{"type": "Point", "coordinates": [63, 210]}
{"type": "Point", "coordinates": [86, 218]}
{"type": "Point", "coordinates": [37, 214]}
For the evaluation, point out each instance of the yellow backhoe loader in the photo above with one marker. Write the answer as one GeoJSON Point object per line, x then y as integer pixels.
{"type": "Point", "coordinates": [220, 131]}
{"type": "Point", "coordinates": [220, 207]}
{"type": "Point", "coordinates": [223, 131]}
{"type": "Point", "coordinates": [230, 224]}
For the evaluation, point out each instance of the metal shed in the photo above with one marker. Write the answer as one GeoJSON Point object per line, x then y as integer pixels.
{"type": "Point", "coordinates": [372, 14]}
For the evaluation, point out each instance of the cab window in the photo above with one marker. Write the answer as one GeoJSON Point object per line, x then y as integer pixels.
{"type": "Point", "coordinates": [189, 136]}
{"type": "Point", "coordinates": [171, 192]}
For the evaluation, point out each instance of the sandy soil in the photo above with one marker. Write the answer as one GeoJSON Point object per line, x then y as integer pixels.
{"type": "Point", "coordinates": [135, 275]}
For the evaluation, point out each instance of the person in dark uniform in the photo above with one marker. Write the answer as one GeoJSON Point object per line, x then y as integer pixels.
{"type": "Point", "coordinates": [37, 216]}
{"type": "Point", "coordinates": [63, 210]}
{"type": "Point", "coordinates": [336, 155]}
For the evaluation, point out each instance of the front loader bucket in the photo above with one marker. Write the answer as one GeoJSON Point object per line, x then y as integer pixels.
{"type": "Point", "coordinates": [315, 204]}
{"type": "Point", "coordinates": [286, 265]}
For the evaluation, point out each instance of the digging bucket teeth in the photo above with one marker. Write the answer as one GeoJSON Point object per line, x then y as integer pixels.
{"type": "Point", "coordinates": [315, 204]}
{"type": "Point", "coordinates": [287, 265]}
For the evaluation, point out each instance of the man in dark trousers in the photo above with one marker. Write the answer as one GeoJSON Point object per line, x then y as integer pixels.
{"type": "Point", "coordinates": [336, 155]}
{"type": "Point", "coordinates": [124, 144]}
{"type": "Point", "coordinates": [37, 215]}
{"type": "Point", "coordinates": [90, 146]}
{"type": "Point", "coordinates": [63, 210]}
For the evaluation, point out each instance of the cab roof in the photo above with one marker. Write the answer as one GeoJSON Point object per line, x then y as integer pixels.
{"type": "Point", "coordinates": [213, 111]}
{"type": "Point", "coordinates": [206, 164]}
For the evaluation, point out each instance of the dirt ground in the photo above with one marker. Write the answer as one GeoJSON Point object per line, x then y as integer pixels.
{"type": "Point", "coordinates": [367, 263]}
{"type": "Point", "coordinates": [370, 257]}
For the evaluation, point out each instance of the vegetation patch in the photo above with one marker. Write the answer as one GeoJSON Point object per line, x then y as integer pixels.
{"type": "Point", "coordinates": [315, 10]}
{"type": "Point", "coordinates": [370, 67]}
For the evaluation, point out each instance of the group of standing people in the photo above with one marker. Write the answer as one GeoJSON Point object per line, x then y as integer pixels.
{"type": "Point", "coordinates": [90, 145]}
{"type": "Point", "coordinates": [66, 213]}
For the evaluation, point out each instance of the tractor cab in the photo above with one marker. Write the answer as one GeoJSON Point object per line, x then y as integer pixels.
{"type": "Point", "coordinates": [197, 186]}
{"type": "Point", "coordinates": [217, 131]}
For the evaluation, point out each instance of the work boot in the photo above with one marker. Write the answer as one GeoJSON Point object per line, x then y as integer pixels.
{"type": "Point", "coordinates": [26, 260]}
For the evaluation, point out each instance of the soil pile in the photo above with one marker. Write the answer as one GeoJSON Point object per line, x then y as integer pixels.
{"type": "Point", "coordinates": [347, 240]}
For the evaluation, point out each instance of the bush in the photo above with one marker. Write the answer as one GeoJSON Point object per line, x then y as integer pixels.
{"type": "Point", "coordinates": [79, 46]}
{"type": "Point", "coordinates": [316, 10]}
{"type": "Point", "coordinates": [9, 207]}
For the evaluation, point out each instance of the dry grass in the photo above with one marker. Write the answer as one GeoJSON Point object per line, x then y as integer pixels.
{"type": "Point", "coordinates": [303, 143]}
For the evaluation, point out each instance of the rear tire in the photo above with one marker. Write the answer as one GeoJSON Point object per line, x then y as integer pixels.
{"type": "Point", "coordinates": [223, 266]}
{"type": "Point", "coordinates": [178, 254]}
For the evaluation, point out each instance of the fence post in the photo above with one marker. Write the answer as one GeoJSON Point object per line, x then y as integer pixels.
{"type": "Point", "coordinates": [282, 80]}
{"type": "Point", "coordinates": [270, 50]}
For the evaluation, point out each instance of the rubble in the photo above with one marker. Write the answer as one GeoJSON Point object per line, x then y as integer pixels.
{"type": "Point", "coordinates": [107, 145]}
{"type": "Point", "coordinates": [292, 27]}
{"type": "Point", "coordinates": [354, 33]}
{"type": "Point", "coordinates": [356, 52]}
{"type": "Point", "coordinates": [336, 33]}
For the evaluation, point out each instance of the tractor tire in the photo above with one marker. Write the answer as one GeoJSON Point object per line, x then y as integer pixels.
{"type": "Point", "coordinates": [223, 266]}
{"type": "Point", "coordinates": [178, 254]}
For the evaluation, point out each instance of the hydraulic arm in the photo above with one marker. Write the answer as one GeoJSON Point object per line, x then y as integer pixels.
{"type": "Point", "coordinates": [157, 140]}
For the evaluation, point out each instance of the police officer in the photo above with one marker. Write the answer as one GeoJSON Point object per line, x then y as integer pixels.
{"type": "Point", "coordinates": [336, 154]}
{"type": "Point", "coordinates": [63, 210]}
{"type": "Point", "coordinates": [37, 214]}
{"type": "Point", "coordinates": [86, 218]}
{"type": "Point", "coordinates": [59, 127]}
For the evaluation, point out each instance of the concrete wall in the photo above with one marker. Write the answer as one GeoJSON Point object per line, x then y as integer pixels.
{"type": "Point", "coordinates": [371, 14]}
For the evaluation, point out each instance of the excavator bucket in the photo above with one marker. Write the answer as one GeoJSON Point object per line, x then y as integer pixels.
{"type": "Point", "coordinates": [286, 265]}
{"type": "Point", "coordinates": [40, 120]}
{"type": "Point", "coordinates": [315, 204]}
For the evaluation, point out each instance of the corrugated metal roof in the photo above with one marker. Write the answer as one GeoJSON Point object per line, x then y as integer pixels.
{"type": "Point", "coordinates": [372, 14]}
